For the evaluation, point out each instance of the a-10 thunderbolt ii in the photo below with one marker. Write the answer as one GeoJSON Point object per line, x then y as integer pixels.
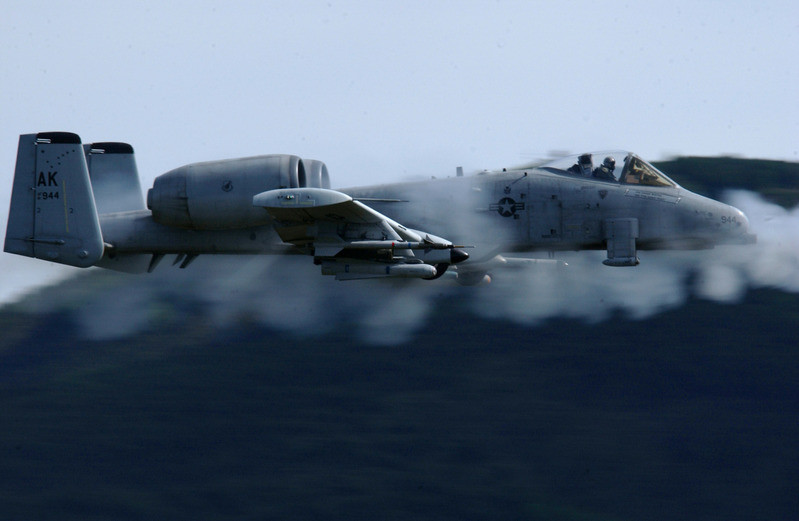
{"type": "Point", "coordinates": [82, 205]}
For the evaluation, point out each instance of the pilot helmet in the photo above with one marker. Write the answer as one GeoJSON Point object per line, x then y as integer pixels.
{"type": "Point", "coordinates": [609, 163]}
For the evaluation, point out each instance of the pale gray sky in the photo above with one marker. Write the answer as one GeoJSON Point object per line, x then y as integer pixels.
{"type": "Point", "coordinates": [389, 90]}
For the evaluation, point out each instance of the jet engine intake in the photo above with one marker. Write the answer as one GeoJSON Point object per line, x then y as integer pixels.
{"type": "Point", "coordinates": [315, 175]}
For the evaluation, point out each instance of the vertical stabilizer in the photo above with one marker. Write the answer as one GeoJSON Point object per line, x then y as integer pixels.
{"type": "Point", "coordinates": [115, 179]}
{"type": "Point", "coordinates": [116, 188]}
{"type": "Point", "coordinates": [52, 214]}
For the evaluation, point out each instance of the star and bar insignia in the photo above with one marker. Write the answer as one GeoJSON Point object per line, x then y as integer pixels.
{"type": "Point", "coordinates": [507, 207]}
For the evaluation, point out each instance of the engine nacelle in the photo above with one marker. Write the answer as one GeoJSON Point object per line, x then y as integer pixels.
{"type": "Point", "coordinates": [316, 175]}
{"type": "Point", "coordinates": [218, 195]}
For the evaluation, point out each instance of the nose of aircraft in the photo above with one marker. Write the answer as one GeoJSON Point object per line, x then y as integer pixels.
{"type": "Point", "coordinates": [743, 234]}
{"type": "Point", "coordinates": [716, 222]}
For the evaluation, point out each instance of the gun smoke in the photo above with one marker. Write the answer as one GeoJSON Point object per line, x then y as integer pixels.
{"type": "Point", "coordinates": [289, 294]}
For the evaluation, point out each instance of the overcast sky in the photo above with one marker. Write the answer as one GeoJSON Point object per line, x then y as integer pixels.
{"type": "Point", "coordinates": [392, 90]}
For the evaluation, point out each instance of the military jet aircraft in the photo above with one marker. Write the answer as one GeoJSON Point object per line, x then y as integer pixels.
{"type": "Point", "coordinates": [82, 205]}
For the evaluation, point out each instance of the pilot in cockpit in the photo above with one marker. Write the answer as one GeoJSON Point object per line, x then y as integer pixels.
{"type": "Point", "coordinates": [605, 172]}
{"type": "Point", "coordinates": [583, 167]}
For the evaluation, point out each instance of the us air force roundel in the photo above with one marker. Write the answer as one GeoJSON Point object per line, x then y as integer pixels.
{"type": "Point", "coordinates": [507, 207]}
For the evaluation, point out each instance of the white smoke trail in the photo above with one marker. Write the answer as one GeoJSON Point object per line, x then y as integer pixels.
{"type": "Point", "coordinates": [587, 290]}
{"type": "Point", "coordinates": [590, 291]}
{"type": "Point", "coordinates": [289, 294]}
{"type": "Point", "coordinates": [774, 261]}
{"type": "Point", "coordinates": [284, 293]}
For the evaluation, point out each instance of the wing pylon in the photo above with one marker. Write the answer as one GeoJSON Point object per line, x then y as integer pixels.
{"type": "Point", "coordinates": [350, 240]}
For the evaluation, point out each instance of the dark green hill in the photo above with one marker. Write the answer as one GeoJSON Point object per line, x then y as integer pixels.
{"type": "Point", "coordinates": [691, 414]}
{"type": "Point", "coordinates": [778, 181]}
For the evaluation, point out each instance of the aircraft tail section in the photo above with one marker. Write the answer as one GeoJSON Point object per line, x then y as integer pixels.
{"type": "Point", "coordinates": [114, 178]}
{"type": "Point", "coordinates": [52, 214]}
{"type": "Point", "coordinates": [116, 188]}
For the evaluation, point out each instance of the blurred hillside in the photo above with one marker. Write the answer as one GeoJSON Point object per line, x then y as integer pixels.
{"type": "Point", "coordinates": [690, 414]}
{"type": "Point", "coordinates": [254, 389]}
{"type": "Point", "coordinates": [778, 181]}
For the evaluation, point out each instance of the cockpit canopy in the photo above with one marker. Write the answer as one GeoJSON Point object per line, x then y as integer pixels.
{"type": "Point", "coordinates": [611, 166]}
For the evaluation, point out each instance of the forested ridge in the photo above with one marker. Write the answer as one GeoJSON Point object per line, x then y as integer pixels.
{"type": "Point", "coordinates": [778, 181]}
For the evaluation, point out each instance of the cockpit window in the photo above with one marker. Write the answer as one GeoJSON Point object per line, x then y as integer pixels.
{"type": "Point", "coordinates": [639, 172]}
{"type": "Point", "coordinates": [614, 166]}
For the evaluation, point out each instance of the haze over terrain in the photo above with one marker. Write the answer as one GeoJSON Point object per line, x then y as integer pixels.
{"type": "Point", "coordinates": [290, 294]}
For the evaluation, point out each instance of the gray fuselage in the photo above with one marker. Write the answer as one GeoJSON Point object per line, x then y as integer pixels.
{"type": "Point", "coordinates": [511, 211]}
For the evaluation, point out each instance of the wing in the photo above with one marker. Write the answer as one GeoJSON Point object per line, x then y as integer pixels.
{"type": "Point", "coordinates": [351, 240]}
